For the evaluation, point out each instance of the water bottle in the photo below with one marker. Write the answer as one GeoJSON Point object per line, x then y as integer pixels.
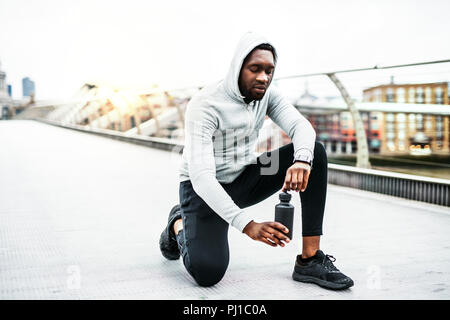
{"type": "Point", "coordinates": [284, 212]}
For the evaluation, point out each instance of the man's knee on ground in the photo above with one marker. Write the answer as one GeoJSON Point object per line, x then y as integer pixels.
{"type": "Point", "coordinates": [207, 273]}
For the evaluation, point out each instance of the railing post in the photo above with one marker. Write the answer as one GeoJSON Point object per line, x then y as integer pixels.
{"type": "Point", "coordinates": [362, 156]}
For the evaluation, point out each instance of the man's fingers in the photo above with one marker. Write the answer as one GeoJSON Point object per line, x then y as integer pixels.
{"type": "Point", "coordinates": [287, 181]}
{"type": "Point", "coordinates": [278, 226]}
{"type": "Point", "coordinates": [300, 178]}
{"type": "Point", "coordinates": [272, 238]}
{"type": "Point", "coordinates": [277, 230]}
{"type": "Point", "coordinates": [277, 234]}
{"type": "Point", "coordinates": [294, 180]}
{"type": "Point", "coordinates": [270, 243]}
{"type": "Point", "coordinates": [305, 180]}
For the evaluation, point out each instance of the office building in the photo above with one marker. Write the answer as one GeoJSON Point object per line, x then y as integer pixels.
{"type": "Point", "coordinates": [28, 87]}
{"type": "Point", "coordinates": [420, 93]}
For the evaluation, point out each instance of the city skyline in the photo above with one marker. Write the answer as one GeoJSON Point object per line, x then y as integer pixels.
{"type": "Point", "coordinates": [176, 44]}
{"type": "Point", "coordinates": [27, 87]}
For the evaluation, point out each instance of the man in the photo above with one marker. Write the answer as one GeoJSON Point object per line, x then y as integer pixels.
{"type": "Point", "coordinates": [221, 174]}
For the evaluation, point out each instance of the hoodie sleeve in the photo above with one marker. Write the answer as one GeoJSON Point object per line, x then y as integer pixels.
{"type": "Point", "coordinates": [201, 123]}
{"type": "Point", "coordinates": [296, 126]}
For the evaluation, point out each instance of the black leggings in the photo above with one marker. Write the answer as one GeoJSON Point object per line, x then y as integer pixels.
{"type": "Point", "coordinates": [203, 242]}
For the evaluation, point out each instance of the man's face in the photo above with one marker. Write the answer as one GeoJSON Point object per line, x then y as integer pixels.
{"type": "Point", "coordinates": [256, 74]}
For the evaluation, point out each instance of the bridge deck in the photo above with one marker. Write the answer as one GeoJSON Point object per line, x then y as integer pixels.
{"type": "Point", "coordinates": [81, 215]}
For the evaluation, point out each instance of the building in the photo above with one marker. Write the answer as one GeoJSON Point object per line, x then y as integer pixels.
{"type": "Point", "coordinates": [28, 87]}
{"type": "Point", "coordinates": [3, 86]}
{"type": "Point", "coordinates": [421, 93]}
{"type": "Point", "coordinates": [413, 132]}
{"type": "Point", "coordinates": [398, 119]}
{"type": "Point", "coordinates": [336, 131]}
{"type": "Point", "coordinates": [10, 107]}
{"type": "Point", "coordinates": [5, 99]}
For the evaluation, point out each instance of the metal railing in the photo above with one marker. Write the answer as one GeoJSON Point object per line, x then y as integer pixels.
{"type": "Point", "coordinates": [152, 142]}
{"type": "Point", "coordinates": [419, 188]}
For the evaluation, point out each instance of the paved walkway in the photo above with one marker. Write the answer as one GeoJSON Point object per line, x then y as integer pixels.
{"type": "Point", "coordinates": [81, 215]}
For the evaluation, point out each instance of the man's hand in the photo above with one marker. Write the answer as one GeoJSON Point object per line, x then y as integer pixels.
{"type": "Point", "coordinates": [297, 177]}
{"type": "Point", "coordinates": [268, 232]}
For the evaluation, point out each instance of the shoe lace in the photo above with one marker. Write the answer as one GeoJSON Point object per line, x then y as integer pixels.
{"type": "Point", "coordinates": [328, 263]}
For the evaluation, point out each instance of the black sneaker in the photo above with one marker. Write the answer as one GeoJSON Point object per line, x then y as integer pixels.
{"type": "Point", "coordinates": [168, 241]}
{"type": "Point", "coordinates": [321, 270]}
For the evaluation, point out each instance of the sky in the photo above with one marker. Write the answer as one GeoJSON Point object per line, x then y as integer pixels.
{"type": "Point", "coordinates": [62, 44]}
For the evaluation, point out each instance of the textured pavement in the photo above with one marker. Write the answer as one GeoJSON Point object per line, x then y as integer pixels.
{"type": "Point", "coordinates": [81, 215]}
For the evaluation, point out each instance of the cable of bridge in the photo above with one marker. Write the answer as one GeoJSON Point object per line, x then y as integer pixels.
{"type": "Point", "coordinates": [376, 67]}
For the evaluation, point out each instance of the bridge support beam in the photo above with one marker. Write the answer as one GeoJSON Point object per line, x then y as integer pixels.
{"type": "Point", "coordinates": [362, 156]}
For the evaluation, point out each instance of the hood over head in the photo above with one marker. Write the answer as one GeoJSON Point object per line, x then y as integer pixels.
{"type": "Point", "coordinates": [246, 44]}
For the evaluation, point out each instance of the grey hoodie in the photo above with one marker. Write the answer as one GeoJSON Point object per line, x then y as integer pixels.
{"type": "Point", "coordinates": [221, 133]}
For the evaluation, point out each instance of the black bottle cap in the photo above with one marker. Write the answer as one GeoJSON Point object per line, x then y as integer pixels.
{"type": "Point", "coordinates": [284, 196]}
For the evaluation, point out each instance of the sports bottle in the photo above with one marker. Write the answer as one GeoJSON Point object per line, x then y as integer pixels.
{"type": "Point", "coordinates": [284, 212]}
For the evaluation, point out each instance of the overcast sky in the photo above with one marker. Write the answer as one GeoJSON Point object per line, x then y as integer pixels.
{"type": "Point", "coordinates": [62, 44]}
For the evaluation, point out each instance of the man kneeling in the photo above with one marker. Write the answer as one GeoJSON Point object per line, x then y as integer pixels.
{"type": "Point", "coordinates": [220, 175]}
